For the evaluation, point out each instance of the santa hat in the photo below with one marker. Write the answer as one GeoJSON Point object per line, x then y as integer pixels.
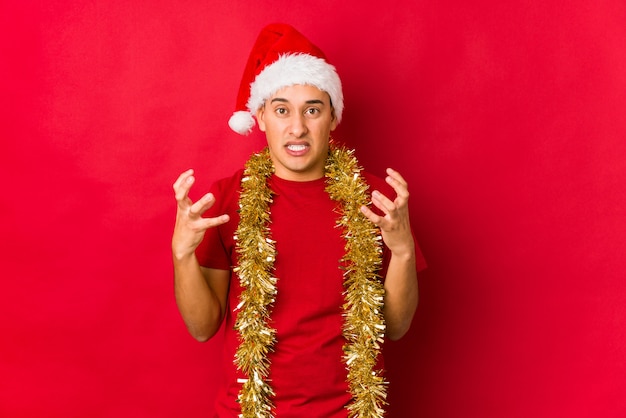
{"type": "Point", "coordinates": [282, 57]}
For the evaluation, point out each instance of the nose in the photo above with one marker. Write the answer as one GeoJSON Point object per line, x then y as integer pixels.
{"type": "Point", "coordinates": [298, 126]}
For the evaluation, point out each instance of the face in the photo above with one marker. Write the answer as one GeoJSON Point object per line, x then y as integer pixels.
{"type": "Point", "coordinates": [297, 121]}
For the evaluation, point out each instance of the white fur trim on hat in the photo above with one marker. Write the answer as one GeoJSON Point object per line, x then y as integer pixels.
{"type": "Point", "coordinates": [292, 69]}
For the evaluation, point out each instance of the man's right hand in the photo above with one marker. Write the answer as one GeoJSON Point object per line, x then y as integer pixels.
{"type": "Point", "coordinates": [190, 225]}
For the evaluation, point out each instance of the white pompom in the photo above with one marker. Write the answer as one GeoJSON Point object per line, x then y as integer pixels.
{"type": "Point", "coordinates": [241, 122]}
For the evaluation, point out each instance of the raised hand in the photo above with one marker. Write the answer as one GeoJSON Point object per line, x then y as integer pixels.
{"type": "Point", "coordinates": [190, 225]}
{"type": "Point", "coordinates": [394, 225]}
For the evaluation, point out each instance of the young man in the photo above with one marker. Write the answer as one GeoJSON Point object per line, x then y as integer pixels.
{"type": "Point", "coordinates": [288, 251]}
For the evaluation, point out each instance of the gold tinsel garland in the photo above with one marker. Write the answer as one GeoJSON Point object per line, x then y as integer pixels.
{"type": "Point", "coordinates": [364, 325]}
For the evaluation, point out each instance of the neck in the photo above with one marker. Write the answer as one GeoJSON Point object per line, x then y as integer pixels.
{"type": "Point", "coordinates": [306, 174]}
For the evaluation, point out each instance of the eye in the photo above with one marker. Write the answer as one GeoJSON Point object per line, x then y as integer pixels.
{"type": "Point", "coordinates": [281, 111]}
{"type": "Point", "coordinates": [312, 111]}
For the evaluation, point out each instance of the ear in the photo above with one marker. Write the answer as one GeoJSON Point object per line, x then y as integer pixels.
{"type": "Point", "coordinates": [333, 122]}
{"type": "Point", "coordinates": [260, 115]}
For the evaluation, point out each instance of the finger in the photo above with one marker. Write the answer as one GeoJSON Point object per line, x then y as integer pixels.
{"type": "Point", "coordinates": [181, 178]}
{"type": "Point", "coordinates": [182, 187]}
{"type": "Point", "coordinates": [372, 216]}
{"type": "Point", "coordinates": [395, 175]}
{"type": "Point", "coordinates": [399, 184]}
{"type": "Point", "coordinates": [382, 202]}
{"type": "Point", "coordinates": [202, 205]}
{"type": "Point", "coordinates": [206, 223]}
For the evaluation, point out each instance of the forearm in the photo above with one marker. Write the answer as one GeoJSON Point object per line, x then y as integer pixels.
{"type": "Point", "coordinates": [198, 303]}
{"type": "Point", "coordinates": [401, 294]}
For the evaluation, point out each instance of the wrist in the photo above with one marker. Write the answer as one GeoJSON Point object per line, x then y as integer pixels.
{"type": "Point", "coordinates": [182, 257]}
{"type": "Point", "coordinates": [406, 253]}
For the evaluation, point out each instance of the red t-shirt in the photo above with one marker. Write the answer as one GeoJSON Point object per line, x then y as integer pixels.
{"type": "Point", "coordinates": [307, 372]}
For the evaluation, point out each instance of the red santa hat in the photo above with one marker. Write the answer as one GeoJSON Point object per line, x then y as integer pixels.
{"type": "Point", "coordinates": [282, 57]}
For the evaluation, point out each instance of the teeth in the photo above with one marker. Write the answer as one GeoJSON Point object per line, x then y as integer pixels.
{"type": "Point", "coordinates": [296, 147]}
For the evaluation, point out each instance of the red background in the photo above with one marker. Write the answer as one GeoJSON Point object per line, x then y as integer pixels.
{"type": "Point", "coordinates": [507, 119]}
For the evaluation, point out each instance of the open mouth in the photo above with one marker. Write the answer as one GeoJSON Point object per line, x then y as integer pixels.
{"type": "Point", "coordinates": [296, 148]}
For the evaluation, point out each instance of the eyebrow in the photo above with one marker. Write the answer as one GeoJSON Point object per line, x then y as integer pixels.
{"type": "Point", "coordinates": [312, 101]}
